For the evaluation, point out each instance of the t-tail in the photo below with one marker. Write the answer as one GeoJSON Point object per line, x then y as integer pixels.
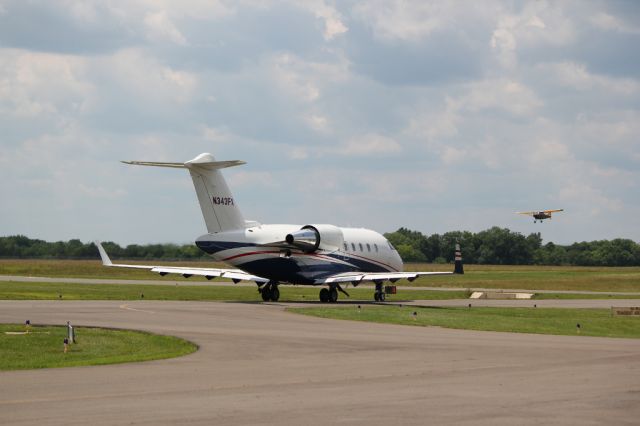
{"type": "Point", "coordinates": [219, 208]}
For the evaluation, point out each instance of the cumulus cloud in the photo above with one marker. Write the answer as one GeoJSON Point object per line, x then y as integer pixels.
{"type": "Point", "coordinates": [515, 104]}
{"type": "Point", "coordinates": [370, 144]}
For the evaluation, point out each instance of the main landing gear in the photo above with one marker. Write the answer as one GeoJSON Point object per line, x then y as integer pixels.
{"type": "Point", "coordinates": [329, 295]}
{"type": "Point", "coordinates": [270, 292]}
{"type": "Point", "coordinates": [379, 295]}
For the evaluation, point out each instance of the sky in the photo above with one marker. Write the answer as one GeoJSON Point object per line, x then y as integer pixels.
{"type": "Point", "coordinates": [434, 116]}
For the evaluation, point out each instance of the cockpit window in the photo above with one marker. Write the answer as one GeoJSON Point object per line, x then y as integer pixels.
{"type": "Point", "coordinates": [391, 246]}
{"type": "Point", "coordinates": [346, 247]}
{"type": "Point", "coordinates": [353, 246]}
{"type": "Point", "coordinates": [368, 247]}
{"type": "Point", "coordinates": [361, 249]}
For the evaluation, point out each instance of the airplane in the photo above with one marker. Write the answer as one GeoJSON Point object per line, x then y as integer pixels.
{"type": "Point", "coordinates": [269, 255]}
{"type": "Point", "coordinates": [541, 215]}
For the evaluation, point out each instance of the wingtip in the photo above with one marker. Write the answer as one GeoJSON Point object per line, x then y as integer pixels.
{"type": "Point", "coordinates": [106, 261]}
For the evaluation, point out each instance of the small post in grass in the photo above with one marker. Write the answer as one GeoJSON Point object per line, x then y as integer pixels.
{"type": "Point", "coordinates": [358, 308]}
{"type": "Point", "coordinates": [71, 334]}
{"type": "Point", "coordinates": [415, 315]}
{"type": "Point", "coordinates": [66, 345]}
{"type": "Point", "coordinates": [578, 328]}
{"type": "Point", "coordinates": [27, 326]}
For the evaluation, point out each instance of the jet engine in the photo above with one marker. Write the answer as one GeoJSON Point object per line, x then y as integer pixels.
{"type": "Point", "coordinates": [311, 238]}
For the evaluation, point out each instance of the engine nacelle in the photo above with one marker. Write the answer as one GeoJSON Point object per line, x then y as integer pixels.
{"type": "Point", "coordinates": [311, 238]}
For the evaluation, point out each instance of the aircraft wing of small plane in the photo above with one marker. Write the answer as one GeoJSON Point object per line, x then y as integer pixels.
{"type": "Point", "coordinates": [540, 211]}
{"type": "Point", "coordinates": [235, 275]}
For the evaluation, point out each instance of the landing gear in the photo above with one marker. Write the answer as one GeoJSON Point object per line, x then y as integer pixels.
{"type": "Point", "coordinates": [324, 295]}
{"type": "Point", "coordinates": [333, 295]}
{"type": "Point", "coordinates": [270, 292]}
{"type": "Point", "coordinates": [379, 295]}
{"type": "Point", "coordinates": [329, 295]}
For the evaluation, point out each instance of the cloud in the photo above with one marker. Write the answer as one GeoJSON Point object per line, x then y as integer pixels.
{"type": "Point", "coordinates": [26, 88]}
{"type": "Point", "coordinates": [457, 112]}
{"type": "Point", "coordinates": [609, 22]}
{"type": "Point", "coordinates": [370, 144]}
{"type": "Point", "coordinates": [333, 21]}
{"type": "Point", "coordinates": [576, 76]}
{"type": "Point", "coordinates": [160, 28]}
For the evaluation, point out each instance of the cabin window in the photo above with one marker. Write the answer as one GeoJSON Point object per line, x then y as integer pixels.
{"type": "Point", "coordinates": [375, 246]}
{"type": "Point", "coordinates": [360, 244]}
{"type": "Point", "coordinates": [346, 247]}
{"type": "Point", "coordinates": [368, 247]}
{"type": "Point", "coordinates": [353, 246]}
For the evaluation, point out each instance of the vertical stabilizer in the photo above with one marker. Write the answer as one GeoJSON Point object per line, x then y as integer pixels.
{"type": "Point", "coordinates": [219, 208]}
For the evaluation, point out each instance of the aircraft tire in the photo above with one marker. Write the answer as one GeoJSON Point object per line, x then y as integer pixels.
{"type": "Point", "coordinates": [333, 295]}
{"type": "Point", "coordinates": [324, 295]}
{"type": "Point", "coordinates": [381, 297]}
{"type": "Point", "coordinates": [266, 294]}
{"type": "Point", "coordinates": [274, 293]}
{"type": "Point", "coordinates": [376, 296]}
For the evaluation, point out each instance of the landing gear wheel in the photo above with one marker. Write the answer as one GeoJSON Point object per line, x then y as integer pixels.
{"type": "Point", "coordinates": [376, 296]}
{"type": "Point", "coordinates": [266, 294]}
{"type": "Point", "coordinates": [274, 293]}
{"type": "Point", "coordinates": [324, 295]}
{"type": "Point", "coordinates": [333, 295]}
{"type": "Point", "coordinates": [381, 297]}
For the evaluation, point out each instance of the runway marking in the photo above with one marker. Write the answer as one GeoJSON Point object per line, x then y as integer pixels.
{"type": "Point", "coordinates": [125, 306]}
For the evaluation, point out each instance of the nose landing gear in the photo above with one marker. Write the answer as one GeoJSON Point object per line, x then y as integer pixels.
{"type": "Point", "coordinates": [379, 295]}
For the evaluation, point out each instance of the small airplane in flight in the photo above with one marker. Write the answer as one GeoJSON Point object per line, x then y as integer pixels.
{"type": "Point", "coordinates": [270, 255]}
{"type": "Point", "coordinates": [541, 215]}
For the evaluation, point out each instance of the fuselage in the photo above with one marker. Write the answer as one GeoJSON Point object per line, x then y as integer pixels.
{"type": "Point", "coordinates": [542, 215]}
{"type": "Point", "coordinates": [260, 250]}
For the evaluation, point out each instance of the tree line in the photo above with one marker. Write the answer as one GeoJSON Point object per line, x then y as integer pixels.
{"type": "Point", "coordinates": [494, 246]}
{"type": "Point", "coordinates": [500, 246]}
{"type": "Point", "coordinates": [19, 246]}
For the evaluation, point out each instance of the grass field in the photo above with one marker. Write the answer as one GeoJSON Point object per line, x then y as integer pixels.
{"type": "Point", "coordinates": [72, 291]}
{"type": "Point", "coordinates": [476, 276]}
{"type": "Point", "coordinates": [593, 322]}
{"type": "Point", "coordinates": [10, 290]}
{"type": "Point", "coordinates": [43, 347]}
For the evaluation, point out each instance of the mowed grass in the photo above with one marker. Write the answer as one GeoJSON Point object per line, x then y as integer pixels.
{"type": "Point", "coordinates": [565, 278]}
{"type": "Point", "coordinates": [13, 290]}
{"type": "Point", "coordinates": [94, 269]}
{"type": "Point", "coordinates": [43, 347]}
{"type": "Point", "coordinates": [593, 322]}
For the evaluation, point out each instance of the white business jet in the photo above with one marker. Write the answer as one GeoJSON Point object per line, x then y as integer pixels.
{"type": "Point", "coordinates": [269, 255]}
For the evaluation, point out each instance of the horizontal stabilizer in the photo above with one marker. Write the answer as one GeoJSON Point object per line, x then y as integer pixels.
{"type": "Point", "coordinates": [209, 165]}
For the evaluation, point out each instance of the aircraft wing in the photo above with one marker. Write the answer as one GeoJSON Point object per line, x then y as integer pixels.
{"type": "Point", "coordinates": [553, 211]}
{"type": "Point", "coordinates": [357, 278]}
{"type": "Point", "coordinates": [527, 213]}
{"type": "Point", "coordinates": [235, 275]}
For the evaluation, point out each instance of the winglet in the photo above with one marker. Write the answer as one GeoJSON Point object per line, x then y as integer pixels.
{"type": "Point", "coordinates": [103, 254]}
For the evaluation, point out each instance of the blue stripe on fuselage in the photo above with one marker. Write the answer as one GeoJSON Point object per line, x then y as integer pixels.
{"type": "Point", "coordinates": [213, 247]}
